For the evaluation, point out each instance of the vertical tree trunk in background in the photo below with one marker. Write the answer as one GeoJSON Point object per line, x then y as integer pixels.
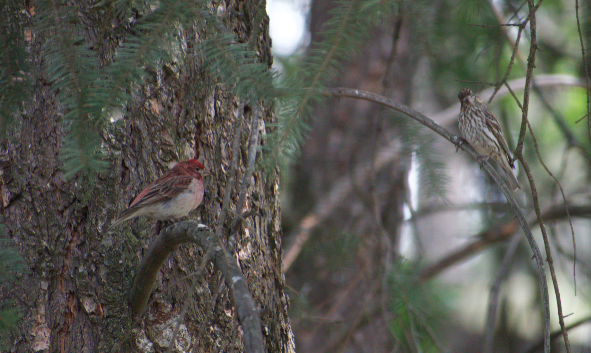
{"type": "Point", "coordinates": [347, 133]}
{"type": "Point", "coordinates": [75, 297]}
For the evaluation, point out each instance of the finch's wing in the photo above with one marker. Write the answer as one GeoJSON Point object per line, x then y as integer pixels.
{"type": "Point", "coordinates": [164, 188]}
{"type": "Point", "coordinates": [495, 128]}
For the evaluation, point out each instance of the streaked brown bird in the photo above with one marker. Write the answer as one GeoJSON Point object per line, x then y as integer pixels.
{"type": "Point", "coordinates": [173, 195]}
{"type": "Point", "coordinates": [483, 132]}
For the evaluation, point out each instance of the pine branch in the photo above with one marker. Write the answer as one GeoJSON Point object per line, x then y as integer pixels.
{"type": "Point", "coordinates": [350, 23]}
{"type": "Point", "coordinates": [14, 63]}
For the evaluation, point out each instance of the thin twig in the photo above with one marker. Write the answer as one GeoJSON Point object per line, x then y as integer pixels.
{"type": "Point", "coordinates": [515, 45]}
{"type": "Point", "coordinates": [557, 183]}
{"type": "Point", "coordinates": [570, 137]}
{"type": "Point", "coordinates": [572, 229]}
{"type": "Point", "coordinates": [548, 251]}
{"type": "Point", "coordinates": [495, 26]}
{"type": "Point", "coordinates": [252, 157]}
{"type": "Point", "coordinates": [531, 64]}
{"type": "Point", "coordinates": [341, 189]}
{"type": "Point", "coordinates": [434, 208]}
{"type": "Point", "coordinates": [230, 184]}
{"type": "Point", "coordinates": [519, 156]}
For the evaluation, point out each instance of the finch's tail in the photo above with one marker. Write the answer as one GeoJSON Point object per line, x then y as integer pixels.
{"type": "Point", "coordinates": [124, 216]}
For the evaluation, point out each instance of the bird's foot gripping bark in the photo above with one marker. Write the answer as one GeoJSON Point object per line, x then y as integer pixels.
{"type": "Point", "coordinates": [459, 141]}
{"type": "Point", "coordinates": [160, 225]}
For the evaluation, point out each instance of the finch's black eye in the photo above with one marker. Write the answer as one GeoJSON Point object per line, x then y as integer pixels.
{"type": "Point", "coordinates": [197, 169]}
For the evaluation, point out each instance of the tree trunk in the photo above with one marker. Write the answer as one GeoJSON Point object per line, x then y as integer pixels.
{"type": "Point", "coordinates": [363, 230]}
{"type": "Point", "coordinates": [75, 298]}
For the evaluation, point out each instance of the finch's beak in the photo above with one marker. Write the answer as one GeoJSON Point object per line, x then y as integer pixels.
{"type": "Point", "coordinates": [205, 172]}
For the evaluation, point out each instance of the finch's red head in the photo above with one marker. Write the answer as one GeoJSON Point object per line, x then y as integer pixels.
{"type": "Point", "coordinates": [195, 163]}
{"type": "Point", "coordinates": [192, 167]}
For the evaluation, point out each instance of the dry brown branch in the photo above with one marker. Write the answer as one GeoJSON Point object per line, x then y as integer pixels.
{"type": "Point", "coordinates": [529, 76]}
{"type": "Point", "coordinates": [570, 137]}
{"type": "Point", "coordinates": [531, 60]}
{"type": "Point", "coordinates": [514, 44]}
{"type": "Point", "coordinates": [192, 232]}
{"type": "Point", "coordinates": [535, 143]}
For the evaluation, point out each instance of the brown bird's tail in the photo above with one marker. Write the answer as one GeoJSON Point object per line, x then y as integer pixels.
{"type": "Point", "coordinates": [512, 179]}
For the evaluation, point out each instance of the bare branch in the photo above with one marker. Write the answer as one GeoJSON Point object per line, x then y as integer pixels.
{"type": "Point", "coordinates": [568, 134]}
{"type": "Point", "coordinates": [585, 66]}
{"type": "Point", "coordinates": [515, 45]}
{"type": "Point", "coordinates": [553, 177]}
{"type": "Point", "coordinates": [531, 64]}
{"type": "Point", "coordinates": [341, 189]}
{"type": "Point", "coordinates": [352, 93]}
{"type": "Point", "coordinates": [548, 255]}
{"type": "Point", "coordinates": [192, 232]}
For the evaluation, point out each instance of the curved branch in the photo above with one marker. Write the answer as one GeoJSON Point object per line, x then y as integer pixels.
{"type": "Point", "coordinates": [192, 232]}
{"type": "Point", "coordinates": [343, 187]}
{"type": "Point", "coordinates": [358, 94]}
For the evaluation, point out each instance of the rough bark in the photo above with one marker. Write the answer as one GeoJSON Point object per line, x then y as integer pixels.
{"type": "Point", "coordinates": [76, 296]}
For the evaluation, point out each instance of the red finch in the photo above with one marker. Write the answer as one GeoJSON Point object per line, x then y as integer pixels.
{"type": "Point", "coordinates": [173, 195]}
{"type": "Point", "coordinates": [482, 131]}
